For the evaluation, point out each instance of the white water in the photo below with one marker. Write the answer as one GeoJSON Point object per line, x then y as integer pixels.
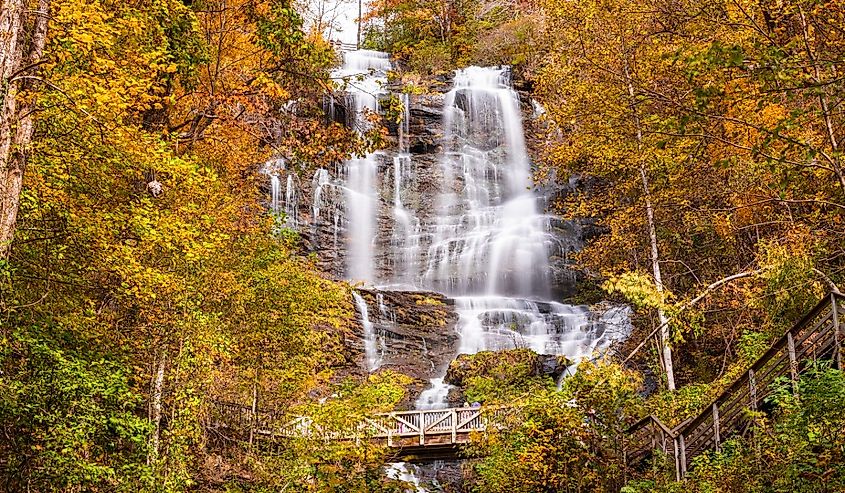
{"type": "Point", "coordinates": [291, 203]}
{"type": "Point", "coordinates": [402, 471]}
{"type": "Point", "coordinates": [272, 168]}
{"type": "Point", "coordinates": [371, 346]}
{"type": "Point", "coordinates": [275, 191]}
{"type": "Point", "coordinates": [482, 237]}
{"type": "Point", "coordinates": [321, 180]}
{"type": "Point", "coordinates": [491, 242]}
{"type": "Point", "coordinates": [366, 73]}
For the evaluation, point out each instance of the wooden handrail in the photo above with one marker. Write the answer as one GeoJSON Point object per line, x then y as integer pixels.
{"type": "Point", "coordinates": [818, 333]}
{"type": "Point", "coordinates": [455, 423]}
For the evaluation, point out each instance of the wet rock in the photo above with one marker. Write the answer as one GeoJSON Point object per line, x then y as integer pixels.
{"type": "Point", "coordinates": [426, 123]}
{"type": "Point", "coordinates": [415, 330]}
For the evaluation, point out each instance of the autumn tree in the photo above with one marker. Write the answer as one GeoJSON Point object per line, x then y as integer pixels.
{"type": "Point", "coordinates": [701, 132]}
{"type": "Point", "coordinates": [23, 33]}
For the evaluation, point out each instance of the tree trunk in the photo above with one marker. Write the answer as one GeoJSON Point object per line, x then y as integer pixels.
{"type": "Point", "coordinates": [658, 281]}
{"type": "Point", "coordinates": [155, 407]}
{"type": "Point", "coordinates": [666, 349]}
{"type": "Point", "coordinates": [360, 15]}
{"type": "Point", "coordinates": [833, 158]}
{"type": "Point", "coordinates": [18, 55]}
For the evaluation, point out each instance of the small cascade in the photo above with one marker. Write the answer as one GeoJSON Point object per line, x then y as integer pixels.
{"type": "Point", "coordinates": [385, 313]}
{"type": "Point", "coordinates": [435, 396]}
{"type": "Point", "coordinates": [402, 471]}
{"type": "Point", "coordinates": [320, 180]}
{"type": "Point", "coordinates": [405, 241]}
{"type": "Point", "coordinates": [272, 168]}
{"type": "Point", "coordinates": [275, 192]}
{"type": "Point", "coordinates": [291, 203]}
{"type": "Point", "coordinates": [371, 345]}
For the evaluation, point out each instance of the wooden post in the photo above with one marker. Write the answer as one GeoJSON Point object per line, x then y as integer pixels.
{"type": "Point", "coordinates": [422, 428]}
{"type": "Point", "coordinates": [834, 305]}
{"type": "Point", "coordinates": [683, 453]}
{"type": "Point", "coordinates": [454, 426]}
{"type": "Point", "coordinates": [253, 410]}
{"type": "Point", "coordinates": [793, 362]}
{"type": "Point", "coordinates": [752, 390]}
{"type": "Point", "coordinates": [716, 426]}
{"type": "Point", "coordinates": [676, 446]}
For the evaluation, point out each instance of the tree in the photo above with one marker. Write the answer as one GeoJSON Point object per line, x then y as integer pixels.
{"type": "Point", "coordinates": [23, 35]}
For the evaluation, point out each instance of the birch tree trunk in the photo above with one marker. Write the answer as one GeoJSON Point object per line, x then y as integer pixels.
{"type": "Point", "coordinates": [155, 406]}
{"type": "Point", "coordinates": [666, 349]}
{"type": "Point", "coordinates": [19, 55]}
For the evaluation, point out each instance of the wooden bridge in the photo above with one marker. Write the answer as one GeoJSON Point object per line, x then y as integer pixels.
{"type": "Point", "coordinates": [419, 436]}
{"type": "Point", "coordinates": [819, 336]}
{"type": "Point", "coordinates": [416, 436]}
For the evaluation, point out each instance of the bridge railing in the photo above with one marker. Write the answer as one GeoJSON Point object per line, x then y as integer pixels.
{"type": "Point", "coordinates": [817, 336]}
{"type": "Point", "coordinates": [454, 424]}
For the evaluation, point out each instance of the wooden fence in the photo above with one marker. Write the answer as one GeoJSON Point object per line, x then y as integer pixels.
{"type": "Point", "coordinates": [817, 337]}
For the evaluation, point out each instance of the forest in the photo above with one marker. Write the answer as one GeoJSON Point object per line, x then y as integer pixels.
{"type": "Point", "coordinates": [165, 251]}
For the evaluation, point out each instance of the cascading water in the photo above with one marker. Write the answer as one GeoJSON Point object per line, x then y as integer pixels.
{"type": "Point", "coordinates": [371, 346]}
{"type": "Point", "coordinates": [490, 241]}
{"type": "Point", "coordinates": [479, 235]}
{"type": "Point", "coordinates": [272, 168]}
{"type": "Point", "coordinates": [366, 75]}
{"type": "Point", "coordinates": [291, 203]}
{"type": "Point", "coordinates": [275, 191]}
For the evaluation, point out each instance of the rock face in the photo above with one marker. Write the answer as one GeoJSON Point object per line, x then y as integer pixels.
{"type": "Point", "coordinates": [414, 334]}
{"type": "Point", "coordinates": [425, 127]}
{"type": "Point", "coordinates": [416, 331]}
{"type": "Point", "coordinates": [413, 179]}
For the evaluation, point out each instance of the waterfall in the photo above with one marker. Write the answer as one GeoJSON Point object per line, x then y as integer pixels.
{"type": "Point", "coordinates": [272, 168]}
{"type": "Point", "coordinates": [275, 191]}
{"type": "Point", "coordinates": [481, 236]}
{"type": "Point", "coordinates": [371, 346]}
{"type": "Point", "coordinates": [291, 203]}
{"type": "Point", "coordinates": [402, 471]}
{"type": "Point", "coordinates": [491, 242]}
{"type": "Point", "coordinates": [320, 180]}
{"type": "Point", "coordinates": [366, 75]}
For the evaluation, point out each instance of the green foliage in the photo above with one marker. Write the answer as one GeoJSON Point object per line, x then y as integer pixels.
{"type": "Point", "coordinates": [500, 376]}
{"type": "Point", "coordinates": [563, 440]}
{"type": "Point", "coordinates": [69, 415]}
{"type": "Point", "coordinates": [798, 445]}
{"type": "Point", "coordinates": [435, 37]}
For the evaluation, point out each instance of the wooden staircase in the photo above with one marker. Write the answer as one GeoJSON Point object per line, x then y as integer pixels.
{"type": "Point", "coordinates": [819, 336]}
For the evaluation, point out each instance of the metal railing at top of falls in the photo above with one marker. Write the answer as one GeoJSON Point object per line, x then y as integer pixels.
{"type": "Point", "coordinates": [425, 427]}
{"type": "Point", "coordinates": [816, 337]}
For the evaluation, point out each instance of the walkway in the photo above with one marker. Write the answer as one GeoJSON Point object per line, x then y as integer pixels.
{"type": "Point", "coordinates": [437, 434]}
{"type": "Point", "coordinates": [819, 336]}
{"type": "Point", "coordinates": [418, 436]}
